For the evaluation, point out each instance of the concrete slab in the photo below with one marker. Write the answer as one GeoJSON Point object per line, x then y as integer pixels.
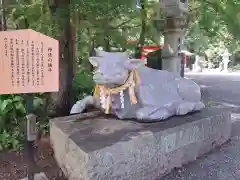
{"type": "Point", "coordinates": [96, 147]}
{"type": "Point", "coordinates": [39, 176]}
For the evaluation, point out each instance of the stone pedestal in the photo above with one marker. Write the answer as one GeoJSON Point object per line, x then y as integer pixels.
{"type": "Point", "coordinates": [94, 147]}
{"type": "Point", "coordinates": [171, 61]}
{"type": "Point", "coordinates": [174, 29]}
{"type": "Point", "coordinates": [172, 64]}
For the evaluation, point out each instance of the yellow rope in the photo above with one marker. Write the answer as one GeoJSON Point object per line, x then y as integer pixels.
{"type": "Point", "coordinates": [132, 80]}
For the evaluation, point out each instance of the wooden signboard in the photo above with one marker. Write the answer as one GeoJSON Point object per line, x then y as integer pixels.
{"type": "Point", "coordinates": [29, 62]}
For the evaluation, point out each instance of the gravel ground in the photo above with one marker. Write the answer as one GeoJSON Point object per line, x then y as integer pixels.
{"type": "Point", "coordinates": [13, 165]}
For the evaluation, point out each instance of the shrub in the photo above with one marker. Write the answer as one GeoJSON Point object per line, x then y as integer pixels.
{"type": "Point", "coordinates": [13, 112]}
{"type": "Point", "coordinates": [82, 84]}
{"type": "Point", "coordinates": [12, 115]}
{"type": "Point", "coordinates": [13, 119]}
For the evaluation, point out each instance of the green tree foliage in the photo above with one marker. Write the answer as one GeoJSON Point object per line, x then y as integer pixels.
{"type": "Point", "coordinates": [214, 26]}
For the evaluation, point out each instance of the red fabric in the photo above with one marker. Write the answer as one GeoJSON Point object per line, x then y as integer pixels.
{"type": "Point", "coordinates": [147, 48]}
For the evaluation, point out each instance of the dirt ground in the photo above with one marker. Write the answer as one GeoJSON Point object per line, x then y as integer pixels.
{"type": "Point", "coordinates": [13, 166]}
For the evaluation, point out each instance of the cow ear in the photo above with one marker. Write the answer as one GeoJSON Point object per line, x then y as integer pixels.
{"type": "Point", "coordinates": [132, 64]}
{"type": "Point", "coordinates": [126, 54]}
{"type": "Point", "coordinates": [100, 52]}
{"type": "Point", "coordinates": [94, 61]}
{"type": "Point", "coordinates": [97, 51]}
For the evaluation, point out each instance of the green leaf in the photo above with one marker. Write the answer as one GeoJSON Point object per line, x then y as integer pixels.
{"type": "Point", "coordinates": [20, 108]}
{"type": "Point", "coordinates": [18, 98]}
{"type": "Point", "coordinates": [38, 103]}
{"type": "Point", "coordinates": [6, 105]}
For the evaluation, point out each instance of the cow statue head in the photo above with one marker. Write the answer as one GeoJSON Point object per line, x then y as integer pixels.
{"type": "Point", "coordinates": [112, 68]}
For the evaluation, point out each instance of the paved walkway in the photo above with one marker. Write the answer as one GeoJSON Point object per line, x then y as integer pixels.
{"type": "Point", "coordinates": [223, 163]}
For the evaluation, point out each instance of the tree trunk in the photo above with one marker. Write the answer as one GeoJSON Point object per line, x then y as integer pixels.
{"type": "Point", "coordinates": [143, 26]}
{"type": "Point", "coordinates": [141, 40]}
{"type": "Point", "coordinates": [75, 24]}
{"type": "Point", "coordinates": [61, 102]}
{"type": "Point", "coordinates": [91, 49]}
{"type": "Point", "coordinates": [106, 38]}
{"type": "Point", "coordinates": [107, 44]}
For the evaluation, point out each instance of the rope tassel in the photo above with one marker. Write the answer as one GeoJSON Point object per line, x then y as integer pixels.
{"type": "Point", "coordinates": [106, 93]}
{"type": "Point", "coordinates": [107, 110]}
{"type": "Point", "coordinates": [132, 95]}
{"type": "Point", "coordinates": [122, 99]}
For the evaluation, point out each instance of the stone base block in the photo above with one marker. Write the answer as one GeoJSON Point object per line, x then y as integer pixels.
{"type": "Point", "coordinates": [96, 147]}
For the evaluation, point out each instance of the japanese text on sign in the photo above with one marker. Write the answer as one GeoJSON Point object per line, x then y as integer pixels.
{"type": "Point", "coordinates": [29, 62]}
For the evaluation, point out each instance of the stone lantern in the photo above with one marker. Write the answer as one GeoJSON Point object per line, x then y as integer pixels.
{"type": "Point", "coordinates": [171, 19]}
{"type": "Point", "coordinates": [174, 7]}
{"type": "Point", "coordinates": [225, 59]}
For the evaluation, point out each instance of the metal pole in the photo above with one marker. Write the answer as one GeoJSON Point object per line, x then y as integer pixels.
{"type": "Point", "coordinates": [3, 18]}
{"type": "Point", "coordinates": [30, 136]}
{"type": "Point", "coordinates": [160, 59]}
{"type": "Point", "coordinates": [181, 55]}
{"type": "Point", "coordinates": [1, 3]}
{"type": "Point", "coordinates": [182, 65]}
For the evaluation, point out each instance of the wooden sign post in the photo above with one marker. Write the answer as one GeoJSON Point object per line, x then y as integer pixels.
{"type": "Point", "coordinates": [29, 63]}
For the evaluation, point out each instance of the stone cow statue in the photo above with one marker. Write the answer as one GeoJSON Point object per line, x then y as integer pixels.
{"type": "Point", "coordinates": [128, 89]}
